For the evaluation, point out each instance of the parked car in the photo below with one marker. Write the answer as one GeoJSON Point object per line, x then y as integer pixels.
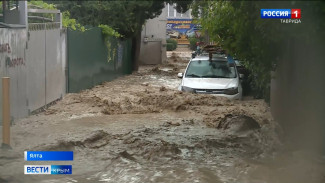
{"type": "Point", "coordinates": [215, 76]}
{"type": "Point", "coordinates": [190, 33]}
{"type": "Point", "coordinates": [174, 34]}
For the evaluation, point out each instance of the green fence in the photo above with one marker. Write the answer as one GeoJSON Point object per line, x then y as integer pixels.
{"type": "Point", "coordinates": [91, 61]}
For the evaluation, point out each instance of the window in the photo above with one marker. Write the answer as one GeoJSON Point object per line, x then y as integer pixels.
{"type": "Point", "coordinates": [210, 69]}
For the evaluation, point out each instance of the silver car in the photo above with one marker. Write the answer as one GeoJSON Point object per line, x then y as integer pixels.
{"type": "Point", "coordinates": [215, 76]}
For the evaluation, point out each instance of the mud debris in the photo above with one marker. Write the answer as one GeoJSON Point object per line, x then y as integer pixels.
{"type": "Point", "coordinates": [96, 139]}
{"type": "Point", "coordinates": [162, 88]}
{"type": "Point", "coordinates": [236, 123]}
{"type": "Point", "coordinates": [140, 128]}
{"type": "Point", "coordinates": [169, 124]}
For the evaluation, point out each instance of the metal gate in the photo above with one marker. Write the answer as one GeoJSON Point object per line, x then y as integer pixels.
{"type": "Point", "coordinates": [46, 56]}
{"type": "Point", "coordinates": [93, 61]}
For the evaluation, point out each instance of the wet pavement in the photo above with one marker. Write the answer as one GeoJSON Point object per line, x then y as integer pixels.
{"type": "Point", "coordinates": [139, 128]}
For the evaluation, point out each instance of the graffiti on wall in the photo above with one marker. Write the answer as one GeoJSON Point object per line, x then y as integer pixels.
{"type": "Point", "coordinates": [10, 61]}
{"type": "Point", "coordinates": [13, 62]}
{"type": "Point", "coordinates": [5, 48]}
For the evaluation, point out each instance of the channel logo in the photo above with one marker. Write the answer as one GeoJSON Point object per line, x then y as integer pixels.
{"type": "Point", "coordinates": [281, 13]}
{"type": "Point", "coordinates": [47, 169]}
{"type": "Point", "coordinates": [37, 169]}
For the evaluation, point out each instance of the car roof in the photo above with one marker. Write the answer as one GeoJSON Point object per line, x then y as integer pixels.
{"type": "Point", "coordinates": [222, 59]}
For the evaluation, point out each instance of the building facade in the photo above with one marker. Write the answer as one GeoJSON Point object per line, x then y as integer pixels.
{"type": "Point", "coordinates": [154, 34]}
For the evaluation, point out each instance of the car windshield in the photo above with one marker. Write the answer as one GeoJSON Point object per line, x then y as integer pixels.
{"type": "Point", "coordinates": [210, 69]}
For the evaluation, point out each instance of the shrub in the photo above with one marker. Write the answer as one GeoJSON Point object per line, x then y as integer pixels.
{"type": "Point", "coordinates": [170, 47]}
{"type": "Point", "coordinates": [171, 44]}
{"type": "Point", "coordinates": [193, 42]}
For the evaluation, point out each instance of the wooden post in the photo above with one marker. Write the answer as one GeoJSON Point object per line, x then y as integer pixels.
{"type": "Point", "coordinates": [5, 112]}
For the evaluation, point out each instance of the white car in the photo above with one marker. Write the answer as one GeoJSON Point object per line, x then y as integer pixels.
{"type": "Point", "coordinates": [173, 34]}
{"type": "Point", "coordinates": [215, 76]}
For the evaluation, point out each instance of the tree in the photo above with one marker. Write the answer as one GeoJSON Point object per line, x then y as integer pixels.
{"type": "Point", "coordinates": [125, 16]}
{"type": "Point", "coordinates": [260, 43]}
{"type": "Point", "coordinates": [66, 20]}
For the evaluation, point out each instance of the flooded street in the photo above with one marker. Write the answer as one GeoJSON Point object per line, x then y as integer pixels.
{"type": "Point", "coordinates": [140, 128]}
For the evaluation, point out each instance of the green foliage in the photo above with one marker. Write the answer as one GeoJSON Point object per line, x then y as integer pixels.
{"type": "Point", "coordinates": [66, 20]}
{"type": "Point", "coordinates": [41, 4]}
{"type": "Point", "coordinates": [171, 44]}
{"type": "Point", "coordinates": [260, 43]}
{"type": "Point", "coordinates": [71, 23]}
{"type": "Point", "coordinates": [193, 42]}
{"type": "Point", "coordinates": [181, 6]}
{"type": "Point", "coordinates": [125, 16]}
{"type": "Point", "coordinates": [108, 31]}
{"type": "Point", "coordinates": [170, 47]}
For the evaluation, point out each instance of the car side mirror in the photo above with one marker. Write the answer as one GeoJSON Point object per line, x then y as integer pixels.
{"type": "Point", "coordinates": [241, 76]}
{"type": "Point", "coordinates": [180, 75]}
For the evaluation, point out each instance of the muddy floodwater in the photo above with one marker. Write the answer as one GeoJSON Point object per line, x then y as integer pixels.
{"type": "Point", "coordinates": [139, 128]}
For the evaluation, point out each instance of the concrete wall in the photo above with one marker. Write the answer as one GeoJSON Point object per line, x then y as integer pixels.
{"type": "Point", "coordinates": [152, 53]}
{"type": "Point", "coordinates": [297, 94]}
{"type": "Point", "coordinates": [36, 69]}
{"type": "Point", "coordinates": [55, 65]}
{"type": "Point", "coordinates": [35, 61]}
{"type": "Point", "coordinates": [155, 31]}
{"type": "Point", "coordinates": [46, 54]}
{"type": "Point", "coordinates": [13, 64]}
